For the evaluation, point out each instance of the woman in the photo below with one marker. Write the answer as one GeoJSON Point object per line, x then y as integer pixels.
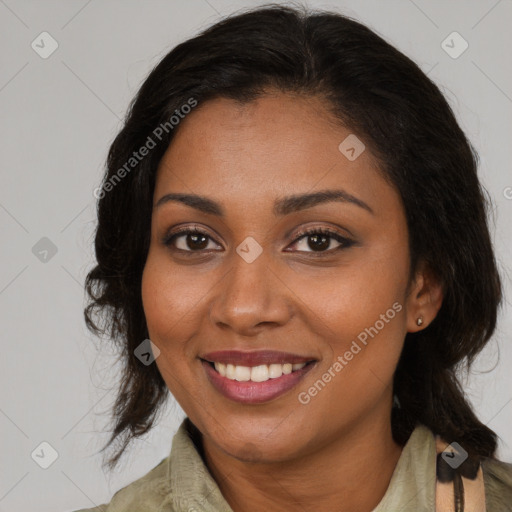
{"type": "Point", "coordinates": [292, 215]}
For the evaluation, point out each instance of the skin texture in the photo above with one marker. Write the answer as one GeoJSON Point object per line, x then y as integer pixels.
{"type": "Point", "coordinates": [283, 453]}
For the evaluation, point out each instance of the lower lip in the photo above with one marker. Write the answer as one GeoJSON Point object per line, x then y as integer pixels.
{"type": "Point", "coordinates": [248, 392]}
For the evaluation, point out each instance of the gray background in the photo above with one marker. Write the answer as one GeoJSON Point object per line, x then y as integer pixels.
{"type": "Point", "coordinates": [59, 116]}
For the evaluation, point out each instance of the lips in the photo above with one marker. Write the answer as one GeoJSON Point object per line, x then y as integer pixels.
{"type": "Point", "coordinates": [254, 358]}
{"type": "Point", "coordinates": [252, 393]}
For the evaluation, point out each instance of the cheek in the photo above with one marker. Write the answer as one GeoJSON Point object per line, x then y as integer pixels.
{"type": "Point", "coordinates": [169, 307]}
{"type": "Point", "coordinates": [171, 299]}
{"type": "Point", "coordinates": [363, 326]}
{"type": "Point", "coordinates": [359, 311]}
{"type": "Point", "coordinates": [352, 296]}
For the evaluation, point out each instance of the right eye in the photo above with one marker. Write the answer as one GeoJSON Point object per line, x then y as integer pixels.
{"type": "Point", "coordinates": [191, 240]}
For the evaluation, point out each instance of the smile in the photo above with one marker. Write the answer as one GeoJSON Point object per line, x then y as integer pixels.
{"type": "Point", "coordinates": [255, 384]}
{"type": "Point", "coordinates": [259, 373]}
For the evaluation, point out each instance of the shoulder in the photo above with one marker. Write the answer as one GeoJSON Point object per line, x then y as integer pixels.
{"type": "Point", "coordinates": [148, 493]}
{"type": "Point", "coordinates": [498, 485]}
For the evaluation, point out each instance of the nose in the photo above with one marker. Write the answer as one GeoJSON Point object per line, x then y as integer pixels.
{"type": "Point", "coordinates": [251, 296]}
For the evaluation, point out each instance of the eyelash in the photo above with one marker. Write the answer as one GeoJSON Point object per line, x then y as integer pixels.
{"type": "Point", "coordinates": [346, 242]}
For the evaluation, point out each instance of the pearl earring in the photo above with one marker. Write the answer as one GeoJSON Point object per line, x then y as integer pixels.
{"type": "Point", "coordinates": [419, 321]}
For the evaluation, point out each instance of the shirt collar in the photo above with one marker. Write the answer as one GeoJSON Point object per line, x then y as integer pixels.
{"type": "Point", "coordinates": [412, 484]}
{"type": "Point", "coordinates": [192, 485]}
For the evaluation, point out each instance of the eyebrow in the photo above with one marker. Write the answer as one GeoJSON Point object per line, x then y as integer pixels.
{"type": "Point", "coordinates": [282, 206]}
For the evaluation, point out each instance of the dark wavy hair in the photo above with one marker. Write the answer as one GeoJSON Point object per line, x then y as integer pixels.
{"type": "Point", "coordinates": [405, 121]}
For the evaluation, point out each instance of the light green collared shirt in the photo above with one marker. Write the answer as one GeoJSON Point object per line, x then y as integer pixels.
{"type": "Point", "coordinates": [182, 483]}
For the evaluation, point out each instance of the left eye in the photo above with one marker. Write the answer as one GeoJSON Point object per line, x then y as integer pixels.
{"type": "Point", "coordinates": [320, 239]}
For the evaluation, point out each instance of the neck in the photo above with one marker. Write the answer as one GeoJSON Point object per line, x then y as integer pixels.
{"type": "Point", "coordinates": [349, 474]}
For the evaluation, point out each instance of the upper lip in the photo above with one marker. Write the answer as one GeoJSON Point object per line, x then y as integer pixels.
{"type": "Point", "coordinates": [254, 358]}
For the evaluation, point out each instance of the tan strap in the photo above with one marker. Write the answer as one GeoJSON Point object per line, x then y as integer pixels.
{"type": "Point", "coordinates": [474, 490]}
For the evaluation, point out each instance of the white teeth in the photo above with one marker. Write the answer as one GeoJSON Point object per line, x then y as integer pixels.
{"type": "Point", "coordinates": [242, 373]}
{"type": "Point", "coordinates": [230, 371]}
{"type": "Point", "coordinates": [221, 368]}
{"type": "Point", "coordinates": [275, 370]}
{"type": "Point", "coordinates": [259, 373]}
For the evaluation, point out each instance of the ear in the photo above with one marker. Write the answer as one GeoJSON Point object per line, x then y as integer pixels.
{"type": "Point", "coordinates": [425, 298]}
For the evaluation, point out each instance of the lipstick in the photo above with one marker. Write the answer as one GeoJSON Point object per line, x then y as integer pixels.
{"type": "Point", "coordinates": [248, 391]}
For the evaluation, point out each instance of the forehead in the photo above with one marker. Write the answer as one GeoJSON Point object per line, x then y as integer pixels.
{"type": "Point", "coordinates": [276, 145]}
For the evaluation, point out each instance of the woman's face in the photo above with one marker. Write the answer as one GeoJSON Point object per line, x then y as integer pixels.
{"type": "Point", "coordinates": [250, 281]}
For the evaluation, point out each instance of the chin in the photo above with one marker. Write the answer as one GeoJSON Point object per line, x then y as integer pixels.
{"type": "Point", "coordinates": [254, 445]}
